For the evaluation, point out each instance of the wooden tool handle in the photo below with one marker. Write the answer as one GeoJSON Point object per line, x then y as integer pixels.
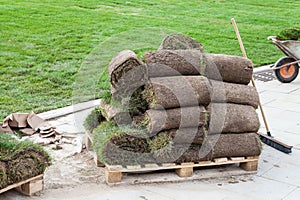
{"type": "Point", "coordinates": [252, 80]}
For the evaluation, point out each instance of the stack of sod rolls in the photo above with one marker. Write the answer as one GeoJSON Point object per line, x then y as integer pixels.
{"type": "Point", "coordinates": [20, 160]}
{"type": "Point", "coordinates": [177, 105]}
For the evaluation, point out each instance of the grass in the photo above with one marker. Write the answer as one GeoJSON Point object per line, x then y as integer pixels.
{"type": "Point", "coordinates": [20, 160]}
{"type": "Point", "coordinates": [46, 46]}
{"type": "Point", "coordinates": [93, 120]}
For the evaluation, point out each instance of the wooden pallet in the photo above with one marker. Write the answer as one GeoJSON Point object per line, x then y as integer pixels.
{"type": "Point", "coordinates": [88, 144]}
{"type": "Point", "coordinates": [27, 187]}
{"type": "Point", "coordinates": [114, 173]}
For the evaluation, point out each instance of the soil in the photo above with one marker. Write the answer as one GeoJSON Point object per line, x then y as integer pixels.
{"type": "Point", "coordinates": [71, 170]}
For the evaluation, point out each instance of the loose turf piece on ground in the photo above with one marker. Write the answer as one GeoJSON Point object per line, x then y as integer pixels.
{"type": "Point", "coordinates": [178, 41]}
{"type": "Point", "coordinates": [245, 144]}
{"type": "Point", "coordinates": [20, 160]}
{"type": "Point", "coordinates": [232, 118]}
{"type": "Point", "coordinates": [234, 93]}
{"type": "Point", "coordinates": [175, 92]}
{"type": "Point", "coordinates": [160, 120]}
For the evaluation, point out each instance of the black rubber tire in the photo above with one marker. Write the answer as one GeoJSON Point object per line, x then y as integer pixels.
{"type": "Point", "coordinates": [278, 74]}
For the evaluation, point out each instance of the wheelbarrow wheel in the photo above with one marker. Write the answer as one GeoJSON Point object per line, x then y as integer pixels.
{"type": "Point", "coordinates": [286, 74]}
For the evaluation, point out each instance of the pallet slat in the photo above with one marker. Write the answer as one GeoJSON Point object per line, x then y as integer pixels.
{"type": "Point", "coordinates": [237, 158]}
{"type": "Point", "coordinates": [220, 160]}
{"type": "Point", "coordinates": [133, 167]}
{"type": "Point", "coordinates": [168, 164]}
{"type": "Point", "coordinates": [88, 141]}
{"type": "Point", "coordinates": [89, 147]}
{"type": "Point", "coordinates": [151, 166]}
{"type": "Point", "coordinates": [97, 162]}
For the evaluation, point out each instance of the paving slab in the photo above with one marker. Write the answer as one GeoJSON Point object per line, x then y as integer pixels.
{"type": "Point", "coordinates": [269, 96]}
{"type": "Point", "coordinates": [284, 105]}
{"type": "Point", "coordinates": [287, 170]}
{"type": "Point", "coordinates": [52, 114]}
{"type": "Point", "coordinates": [256, 188]}
{"type": "Point", "coordinates": [194, 190]}
{"type": "Point", "coordinates": [261, 188]}
{"type": "Point", "coordinates": [296, 92]}
{"type": "Point", "coordinates": [294, 195]}
{"type": "Point", "coordinates": [71, 123]}
{"type": "Point", "coordinates": [278, 87]}
{"type": "Point", "coordinates": [268, 159]}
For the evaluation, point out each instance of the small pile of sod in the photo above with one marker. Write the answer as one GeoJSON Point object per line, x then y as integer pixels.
{"type": "Point", "coordinates": [20, 160]}
{"type": "Point", "coordinates": [289, 34]}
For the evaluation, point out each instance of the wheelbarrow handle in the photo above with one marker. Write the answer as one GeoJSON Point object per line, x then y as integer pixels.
{"type": "Point", "coordinates": [286, 65]}
{"type": "Point", "coordinates": [273, 38]}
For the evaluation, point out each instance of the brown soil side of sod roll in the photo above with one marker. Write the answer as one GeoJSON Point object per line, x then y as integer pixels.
{"type": "Point", "coordinates": [161, 63]}
{"type": "Point", "coordinates": [136, 143]}
{"type": "Point", "coordinates": [233, 69]}
{"type": "Point", "coordinates": [120, 65]}
{"type": "Point", "coordinates": [193, 135]}
{"type": "Point", "coordinates": [114, 155]}
{"type": "Point", "coordinates": [160, 120]}
{"type": "Point", "coordinates": [127, 149]}
{"type": "Point", "coordinates": [174, 92]}
{"type": "Point", "coordinates": [232, 118]}
{"type": "Point", "coordinates": [246, 144]}
{"type": "Point", "coordinates": [178, 41]}
{"type": "Point", "coordinates": [234, 93]}
{"type": "Point", "coordinates": [180, 154]}
{"type": "Point", "coordinates": [3, 175]}
{"type": "Point", "coordinates": [228, 68]}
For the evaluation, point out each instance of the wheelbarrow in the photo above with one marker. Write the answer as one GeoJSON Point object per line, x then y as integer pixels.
{"type": "Point", "coordinates": [286, 69]}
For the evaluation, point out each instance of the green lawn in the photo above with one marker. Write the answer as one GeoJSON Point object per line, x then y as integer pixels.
{"type": "Point", "coordinates": [44, 43]}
